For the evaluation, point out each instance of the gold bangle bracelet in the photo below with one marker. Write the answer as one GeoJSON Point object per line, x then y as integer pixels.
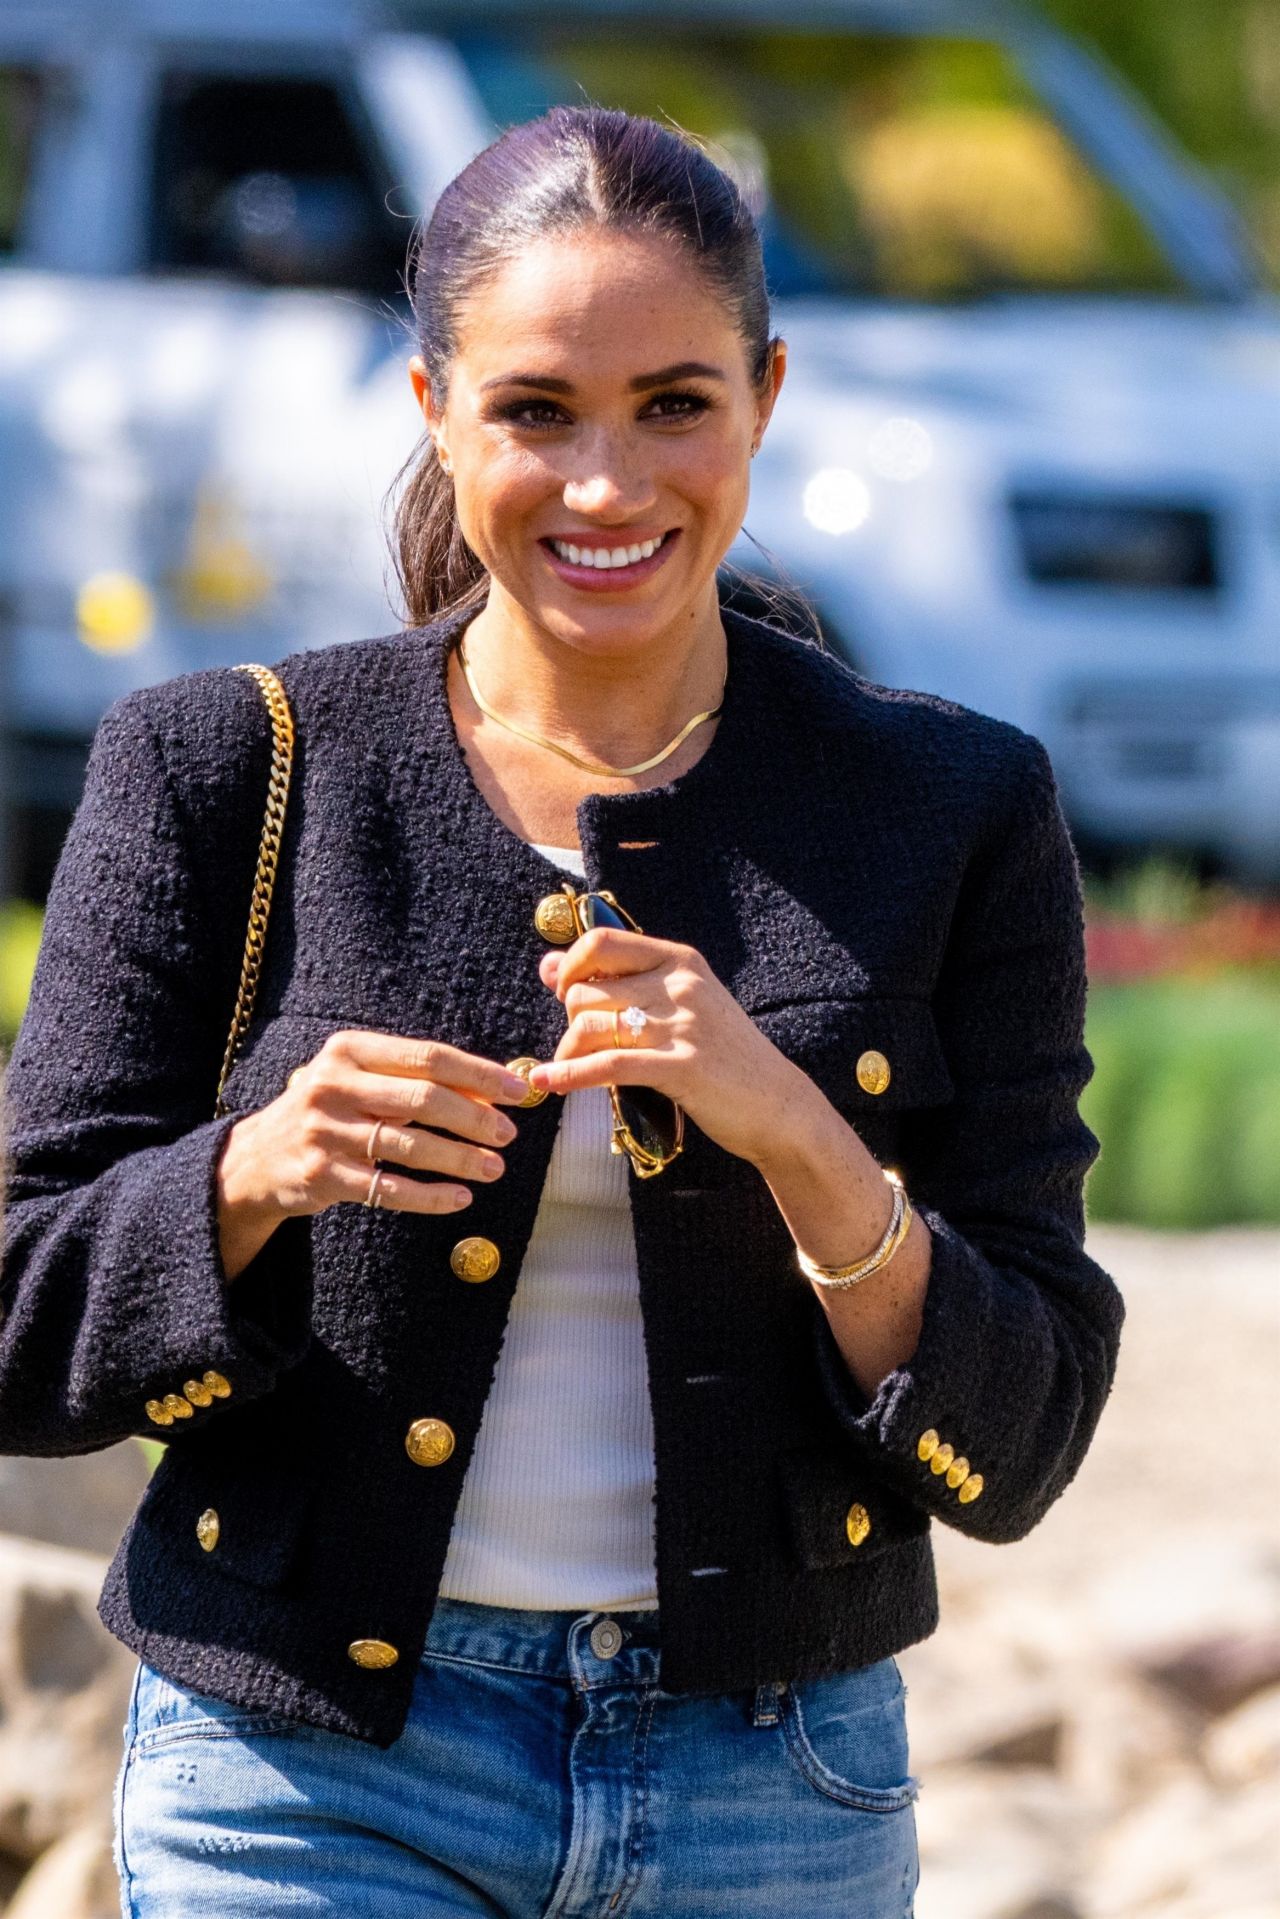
{"type": "Point", "coordinates": [835, 1278]}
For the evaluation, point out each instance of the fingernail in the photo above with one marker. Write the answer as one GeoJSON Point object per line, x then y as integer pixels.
{"type": "Point", "coordinates": [461, 1197]}
{"type": "Point", "coordinates": [515, 1085]}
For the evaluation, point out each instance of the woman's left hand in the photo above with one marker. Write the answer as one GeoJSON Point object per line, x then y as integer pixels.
{"type": "Point", "coordinates": [698, 1046]}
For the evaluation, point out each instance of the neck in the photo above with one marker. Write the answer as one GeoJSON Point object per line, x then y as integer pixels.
{"type": "Point", "coordinates": [616, 705]}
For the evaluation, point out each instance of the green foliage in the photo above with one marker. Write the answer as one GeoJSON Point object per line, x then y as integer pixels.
{"type": "Point", "coordinates": [1212, 74]}
{"type": "Point", "coordinates": [20, 924]}
{"type": "Point", "coordinates": [1185, 1101]}
{"type": "Point", "coordinates": [153, 1448]}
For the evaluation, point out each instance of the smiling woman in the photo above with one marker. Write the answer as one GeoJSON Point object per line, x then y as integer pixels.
{"type": "Point", "coordinates": [699, 1340]}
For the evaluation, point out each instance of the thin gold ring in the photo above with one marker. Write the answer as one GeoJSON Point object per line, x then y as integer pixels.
{"type": "Point", "coordinates": [371, 1150]}
{"type": "Point", "coordinates": [618, 1040]}
{"type": "Point", "coordinates": [372, 1197]}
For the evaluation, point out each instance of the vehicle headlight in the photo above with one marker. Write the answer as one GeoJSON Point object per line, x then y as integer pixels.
{"type": "Point", "coordinates": [836, 500]}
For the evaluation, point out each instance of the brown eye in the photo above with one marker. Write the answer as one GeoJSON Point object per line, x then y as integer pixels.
{"type": "Point", "coordinates": [523, 412]}
{"type": "Point", "coordinates": [681, 406]}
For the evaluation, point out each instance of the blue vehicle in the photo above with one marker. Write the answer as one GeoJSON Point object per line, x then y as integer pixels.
{"type": "Point", "coordinates": [1027, 456]}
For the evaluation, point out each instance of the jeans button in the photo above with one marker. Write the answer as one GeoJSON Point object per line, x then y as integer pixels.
{"type": "Point", "coordinates": [606, 1638]}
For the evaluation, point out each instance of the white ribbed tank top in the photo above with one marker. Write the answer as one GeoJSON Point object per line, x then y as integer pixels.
{"type": "Point", "coordinates": [556, 1510]}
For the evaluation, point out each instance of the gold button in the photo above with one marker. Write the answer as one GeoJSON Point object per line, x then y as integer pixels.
{"type": "Point", "coordinates": [942, 1458]}
{"type": "Point", "coordinates": [180, 1408]}
{"type": "Point", "coordinates": [873, 1072]}
{"type": "Point", "coordinates": [857, 1523]}
{"type": "Point", "coordinates": [970, 1489]}
{"type": "Point", "coordinates": [159, 1413]}
{"type": "Point", "coordinates": [197, 1392]}
{"type": "Point", "coordinates": [553, 917]}
{"type": "Point", "coordinates": [524, 1066]}
{"type": "Point", "coordinates": [207, 1529]}
{"type": "Point", "coordinates": [475, 1259]}
{"type": "Point", "coordinates": [429, 1442]}
{"type": "Point", "coordinates": [373, 1653]}
{"type": "Point", "coordinates": [956, 1472]}
{"type": "Point", "coordinates": [927, 1444]}
{"type": "Point", "coordinates": [218, 1386]}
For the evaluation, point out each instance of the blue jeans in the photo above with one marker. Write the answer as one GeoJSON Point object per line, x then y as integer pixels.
{"type": "Point", "coordinates": [542, 1771]}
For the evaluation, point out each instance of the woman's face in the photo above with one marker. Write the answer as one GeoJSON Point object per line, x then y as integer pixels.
{"type": "Point", "coordinates": [599, 423]}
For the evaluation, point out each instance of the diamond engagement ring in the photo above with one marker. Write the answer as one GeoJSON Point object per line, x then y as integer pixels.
{"type": "Point", "coordinates": [635, 1019]}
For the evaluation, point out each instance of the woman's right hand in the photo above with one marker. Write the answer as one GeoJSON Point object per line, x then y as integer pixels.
{"type": "Point", "coordinates": [308, 1148]}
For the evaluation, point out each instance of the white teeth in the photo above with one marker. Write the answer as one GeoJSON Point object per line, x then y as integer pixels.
{"type": "Point", "coordinates": [603, 557]}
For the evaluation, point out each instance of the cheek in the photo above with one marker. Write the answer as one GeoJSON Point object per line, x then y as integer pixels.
{"type": "Point", "coordinates": [497, 490]}
{"type": "Point", "coordinates": [708, 470]}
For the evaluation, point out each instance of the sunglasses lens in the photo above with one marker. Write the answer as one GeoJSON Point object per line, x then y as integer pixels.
{"type": "Point", "coordinates": [650, 1118]}
{"type": "Point", "coordinates": [598, 912]}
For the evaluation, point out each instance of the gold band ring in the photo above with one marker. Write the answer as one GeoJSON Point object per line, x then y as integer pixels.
{"type": "Point", "coordinates": [372, 1197]}
{"type": "Point", "coordinates": [371, 1150]}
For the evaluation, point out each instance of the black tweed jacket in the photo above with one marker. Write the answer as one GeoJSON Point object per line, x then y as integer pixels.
{"type": "Point", "coordinates": [865, 869]}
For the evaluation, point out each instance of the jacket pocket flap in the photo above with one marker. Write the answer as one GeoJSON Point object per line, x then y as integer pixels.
{"type": "Point", "coordinates": [873, 1054]}
{"type": "Point", "coordinates": [838, 1513]}
{"type": "Point", "coordinates": [233, 1517]}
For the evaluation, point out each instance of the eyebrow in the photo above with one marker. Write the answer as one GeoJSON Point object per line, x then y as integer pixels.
{"type": "Point", "coordinates": [544, 383]}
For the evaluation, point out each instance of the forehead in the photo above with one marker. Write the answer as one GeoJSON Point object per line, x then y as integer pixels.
{"type": "Point", "coordinates": [597, 301]}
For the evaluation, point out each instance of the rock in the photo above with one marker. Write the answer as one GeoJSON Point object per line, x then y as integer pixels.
{"type": "Point", "coordinates": [1191, 1852]}
{"type": "Point", "coordinates": [84, 1502]}
{"type": "Point", "coordinates": [1014, 1718]}
{"type": "Point", "coordinates": [1245, 1746]}
{"type": "Point", "coordinates": [995, 1848]}
{"type": "Point", "coordinates": [1198, 1591]}
{"type": "Point", "coordinates": [1123, 1740]}
{"type": "Point", "coordinates": [64, 1690]}
{"type": "Point", "coordinates": [75, 1879]}
{"type": "Point", "coordinates": [1220, 1672]}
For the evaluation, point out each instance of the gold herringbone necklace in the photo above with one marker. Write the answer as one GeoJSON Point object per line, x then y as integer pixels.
{"type": "Point", "coordinates": [588, 766]}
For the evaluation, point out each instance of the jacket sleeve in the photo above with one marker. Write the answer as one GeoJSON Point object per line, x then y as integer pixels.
{"type": "Point", "coordinates": [112, 1289]}
{"type": "Point", "coordinates": [989, 1420]}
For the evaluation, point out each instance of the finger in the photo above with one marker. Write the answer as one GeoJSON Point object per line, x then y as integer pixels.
{"type": "Point", "coordinates": [425, 1103]}
{"type": "Point", "coordinates": [601, 1068]}
{"type": "Point", "coordinates": [609, 952]}
{"type": "Point", "coordinates": [424, 1151]}
{"type": "Point", "coordinates": [396, 1192]}
{"type": "Point", "coordinates": [590, 1032]}
{"type": "Point", "coordinates": [394, 1055]}
{"type": "Point", "coordinates": [641, 989]}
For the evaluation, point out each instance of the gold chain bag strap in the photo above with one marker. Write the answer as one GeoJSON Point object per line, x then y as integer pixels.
{"type": "Point", "coordinates": [268, 859]}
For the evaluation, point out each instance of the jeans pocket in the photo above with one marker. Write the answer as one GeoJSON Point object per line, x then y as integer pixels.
{"type": "Point", "coordinates": [847, 1735]}
{"type": "Point", "coordinates": [165, 1712]}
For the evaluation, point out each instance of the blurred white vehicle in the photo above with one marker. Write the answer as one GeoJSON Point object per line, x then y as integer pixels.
{"type": "Point", "coordinates": [1028, 454]}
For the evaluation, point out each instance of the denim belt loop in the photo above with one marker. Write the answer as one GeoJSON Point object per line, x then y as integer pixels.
{"type": "Point", "coordinates": [766, 1711]}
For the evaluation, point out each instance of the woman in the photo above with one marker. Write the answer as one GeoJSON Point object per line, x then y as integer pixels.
{"type": "Point", "coordinates": [452, 1398]}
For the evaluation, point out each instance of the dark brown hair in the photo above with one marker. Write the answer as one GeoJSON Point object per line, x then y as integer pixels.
{"type": "Point", "coordinates": [574, 168]}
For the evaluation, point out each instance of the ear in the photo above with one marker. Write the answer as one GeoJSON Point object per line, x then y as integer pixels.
{"type": "Point", "coordinates": [420, 381]}
{"type": "Point", "coordinates": [768, 395]}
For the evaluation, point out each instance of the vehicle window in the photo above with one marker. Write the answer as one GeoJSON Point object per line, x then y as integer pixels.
{"type": "Point", "coordinates": [271, 181]}
{"type": "Point", "coordinates": [918, 168]}
{"type": "Point", "coordinates": [21, 98]}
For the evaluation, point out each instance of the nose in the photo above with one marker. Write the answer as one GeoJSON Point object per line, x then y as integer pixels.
{"type": "Point", "coordinates": [609, 485]}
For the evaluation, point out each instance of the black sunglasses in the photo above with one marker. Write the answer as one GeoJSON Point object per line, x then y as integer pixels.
{"type": "Point", "coordinates": [647, 1125]}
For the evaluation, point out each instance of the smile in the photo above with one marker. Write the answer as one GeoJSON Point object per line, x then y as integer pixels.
{"type": "Point", "coordinates": [606, 556]}
{"type": "Point", "coordinates": [616, 565]}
